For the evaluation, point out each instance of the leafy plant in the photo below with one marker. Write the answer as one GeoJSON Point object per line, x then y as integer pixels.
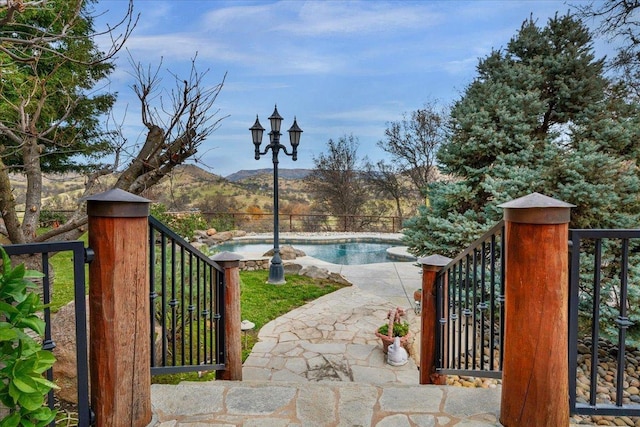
{"type": "Point", "coordinates": [23, 388]}
{"type": "Point", "coordinates": [185, 224]}
{"type": "Point", "coordinates": [399, 329]}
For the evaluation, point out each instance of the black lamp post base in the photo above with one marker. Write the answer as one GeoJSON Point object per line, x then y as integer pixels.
{"type": "Point", "coordinates": [276, 275]}
{"type": "Point", "coordinates": [276, 271]}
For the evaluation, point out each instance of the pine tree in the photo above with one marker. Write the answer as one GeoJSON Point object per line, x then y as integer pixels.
{"type": "Point", "coordinates": [539, 116]}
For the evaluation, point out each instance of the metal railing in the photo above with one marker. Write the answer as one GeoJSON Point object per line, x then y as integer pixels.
{"type": "Point", "coordinates": [600, 277]}
{"type": "Point", "coordinates": [263, 222]}
{"type": "Point", "coordinates": [80, 257]}
{"type": "Point", "coordinates": [470, 309]}
{"type": "Point", "coordinates": [187, 304]}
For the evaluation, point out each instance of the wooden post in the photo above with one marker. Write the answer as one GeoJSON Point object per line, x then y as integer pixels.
{"type": "Point", "coordinates": [230, 262]}
{"type": "Point", "coordinates": [431, 265]}
{"type": "Point", "coordinates": [535, 385]}
{"type": "Point", "coordinates": [119, 346]}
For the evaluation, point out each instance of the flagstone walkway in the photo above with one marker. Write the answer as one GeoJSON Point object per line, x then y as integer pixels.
{"type": "Point", "coordinates": [321, 365]}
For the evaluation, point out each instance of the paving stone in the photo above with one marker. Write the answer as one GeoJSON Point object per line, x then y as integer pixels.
{"type": "Point", "coordinates": [397, 420]}
{"type": "Point", "coordinates": [263, 347]}
{"type": "Point", "coordinates": [205, 424]}
{"type": "Point", "coordinates": [359, 351]}
{"type": "Point", "coordinates": [267, 422]}
{"type": "Point", "coordinates": [324, 348]}
{"type": "Point", "coordinates": [366, 374]}
{"type": "Point", "coordinates": [297, 365]}
{"type": "Point", "coordinates": [256, 361]}
{"type": "Point", "coordinates": [443, 421]}
{"type": "Point", "coordinates": [294, 352]}
{"type": "Point", "coordinates": [258, 400]}
{"type": "Point", "coordinates": [425, 399]}
{"type": "Point", "coordinates": [250, 373]}
{"type": "Point", "coordinates": [423, 420]}
{"type": "Point", "coordinates": [285, 375]}
{"type": "Point", "coordinates": [342, 336]}
{"type": "Point", "coordinates": [355, 405]}
{"type": "Point", "coordinates": [187, 398]}
{"type": "Point", "coordinates": [464, 402]}
{"type": "Point", "coordinates": [288, 337]}
{"type": "Point", "coordinates": [316, 406]}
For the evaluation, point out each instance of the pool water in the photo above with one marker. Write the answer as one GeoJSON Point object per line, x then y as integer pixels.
{"type": "Point", "coordinates": [351, 253]}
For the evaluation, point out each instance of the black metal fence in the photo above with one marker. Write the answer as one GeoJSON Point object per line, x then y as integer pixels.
{"type": "Point", "coordinates": [470, 309]}
{"type": "Point", "coordinates": [263, 222]}
{"type": "Point", "coordinates": [603, 272]}
{"type": "Point", "coordinates": [187, 303]}
{"type": "Point", "coordinates": [80, 257]}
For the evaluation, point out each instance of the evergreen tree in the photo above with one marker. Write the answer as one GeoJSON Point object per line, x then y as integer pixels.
{"type": "Point", "coordinates": [50, 65]}
{"type": "Point", "coordinates": [539, 116]}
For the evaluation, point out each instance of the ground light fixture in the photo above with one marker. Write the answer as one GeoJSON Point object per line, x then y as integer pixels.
{"type": "Point", "coordinates": [276, 269]}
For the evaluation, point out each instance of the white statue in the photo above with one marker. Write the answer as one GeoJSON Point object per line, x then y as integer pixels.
{"type": "Point", "coordinates": [396, 353]}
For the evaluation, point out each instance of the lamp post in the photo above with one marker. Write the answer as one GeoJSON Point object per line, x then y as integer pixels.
{"type": "Point", "coordinates": [276, 269]}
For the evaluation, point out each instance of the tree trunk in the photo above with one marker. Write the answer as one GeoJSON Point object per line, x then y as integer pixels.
{"type": "Point", "coordinates": [399, 210]}
{"type": "Point", "coordinates": [153, 143]}
{"type": "Point", "coordinates": [33, 203]}
{"type": "Point", "coordinates": [8, 207]}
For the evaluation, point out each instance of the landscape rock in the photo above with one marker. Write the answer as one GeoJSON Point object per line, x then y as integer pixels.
{"type": "Point", "coordinates": [211, 232]}
{"type": "Point", "coordinates": [287, 252]}
{"type": "Point", "coordinates": [63, 332]}
{"type": "Point", "coordinates": [292, 268]}
{"type": "Point", "coordinates": [322, 273]}
{"type": "Point", "coordinates": [238, 233]}
{"type": "Point", "coordinates": [338, 278]}
{"type": "Point", "coordinates": [222, 236]}
{"type": "Point", "coordinates": [199, 235]}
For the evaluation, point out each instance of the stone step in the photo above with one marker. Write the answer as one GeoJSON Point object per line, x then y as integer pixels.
{"type": "Point", "coordinates": [321, 404]}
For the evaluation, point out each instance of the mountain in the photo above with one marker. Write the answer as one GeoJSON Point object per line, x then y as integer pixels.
{"type": "Point", "coordinates": [282, 173]}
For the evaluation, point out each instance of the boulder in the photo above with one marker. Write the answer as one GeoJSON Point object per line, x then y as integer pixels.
{"type": "Point", "coordinates": [238, 233]}
{"type": "Point", "coordinates": [314, 272]}
{"type": "Point", "coordinates": [63, 332]}
{"type": "Point", "coordinates": [211, 232]}
{"type": "Point", "coordinates": [338, 278]}
{"type": "Point", "coordinates": [292, 268]}
{"type": "Point", "coordinates": [222, 236]}
{"type": "Point", "coordinates": [200, 234]}
{"type": "Point", "coordinates": [287, 252]}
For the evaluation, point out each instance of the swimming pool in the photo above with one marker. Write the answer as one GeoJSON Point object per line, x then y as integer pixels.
{"type": "Point", "coordinates": [349, 253]}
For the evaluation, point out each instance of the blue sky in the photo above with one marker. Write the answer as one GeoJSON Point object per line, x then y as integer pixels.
{"type": "Point", "coordinates": [340, 67]}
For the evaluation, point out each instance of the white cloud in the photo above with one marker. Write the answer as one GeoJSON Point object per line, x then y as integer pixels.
{"type": "Point", "coordinates": [361, 17]}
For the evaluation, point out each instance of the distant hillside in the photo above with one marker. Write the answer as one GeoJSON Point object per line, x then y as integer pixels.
{"type": "Point", "coordinates": [282, 173]}
{"type": "Point", "coordinates": [187, 187]}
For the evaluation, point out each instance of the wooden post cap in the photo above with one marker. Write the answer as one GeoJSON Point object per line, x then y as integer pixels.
{"type": "Point", "coordinates": [536, 208]}
{"type": "Point", "coordinates": [117, 203]}
{"type": "Point", "coordinates": [435, 262]}
{"type": "Point", "coordinates": [230, 259]}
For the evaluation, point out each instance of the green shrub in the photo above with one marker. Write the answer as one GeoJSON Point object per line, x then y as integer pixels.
{"type": "Point", "coordinates": [48, 218]}
{"type": "Point", "coordinates": [184, 224]}
{"type": "Point", "coordinates": [399, 329]}
{"type": "Point", "coordinates": [23, 388]}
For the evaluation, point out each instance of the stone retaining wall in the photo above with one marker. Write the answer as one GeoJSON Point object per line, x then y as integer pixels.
{"type": "Point", "coordinates": [254, 264]}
